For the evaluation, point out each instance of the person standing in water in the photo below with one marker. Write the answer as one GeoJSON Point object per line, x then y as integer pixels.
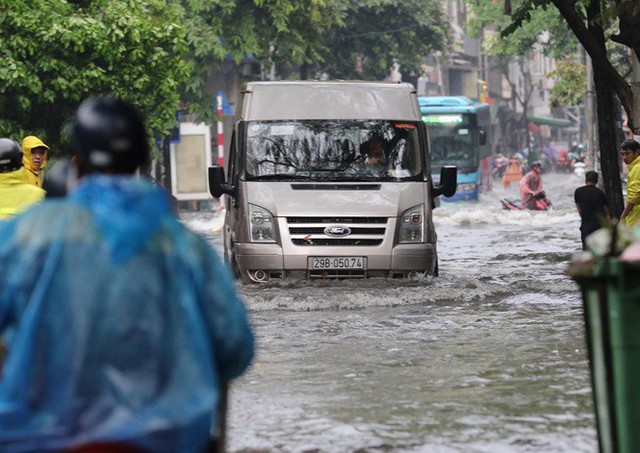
{"type": "Point", "coordinates": [591, 203]}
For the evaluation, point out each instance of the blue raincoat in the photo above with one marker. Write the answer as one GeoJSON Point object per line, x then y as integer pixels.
{"type": "Point", "coordinates": [120, 323]}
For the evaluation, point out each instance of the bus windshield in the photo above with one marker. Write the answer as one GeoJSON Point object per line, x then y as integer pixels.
{"type": "Point", "coordinates": [332, 150]}
{"type": "Point", "coordinates": [452, 140]}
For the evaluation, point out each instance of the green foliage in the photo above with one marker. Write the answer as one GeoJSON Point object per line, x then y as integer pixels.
{"type": "Point", "coordinates": [592, 21]}
{"type": "Point", "coordinates": [54, 54]}
{"type": "Point", "coordinates": [346, 39]}
{"type": "Point", "coordinates": [378, 33]}
{"type": "Point", "coordinates": [538, 25]}
{"type": "Point", "coordinates": [159, 54]}
{"type": "Point", "coordinates": [281, 31]}
{"type": "Point", "coordinates": [570, 86]}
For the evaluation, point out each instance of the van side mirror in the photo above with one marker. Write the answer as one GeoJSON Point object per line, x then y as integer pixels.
{"type": "Point", "coordinates": [448, 182]}
{"type": "Point", "coordinates": [482, 136]}
{"type": "Point", "coordinates": [217, 183]}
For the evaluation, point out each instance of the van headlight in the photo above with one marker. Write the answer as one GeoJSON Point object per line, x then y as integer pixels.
{"type": "Point", "coordinates": [261, 225]}
{"type": "Point", "coordinates": [412, 225]}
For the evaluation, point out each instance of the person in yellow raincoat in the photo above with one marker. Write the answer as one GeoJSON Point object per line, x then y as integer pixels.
{"type": "Point", "coordinates": [16, 194]}
{"type": "Point", "coordinates": [630, 152]}
{"type": "Point", "coordinates": [513, 172]}
{"type": "Point", "coordinates": [35, 158]}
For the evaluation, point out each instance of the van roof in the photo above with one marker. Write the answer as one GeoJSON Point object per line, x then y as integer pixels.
{"type": "Point", "coordinates": [301, 100]}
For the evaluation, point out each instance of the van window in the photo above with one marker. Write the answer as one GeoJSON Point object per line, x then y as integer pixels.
{"type": "Point", "coordinates": [332, 150]}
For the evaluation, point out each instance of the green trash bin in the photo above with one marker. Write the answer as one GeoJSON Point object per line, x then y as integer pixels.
{"type": "Point", "coordinates": [611, 301]}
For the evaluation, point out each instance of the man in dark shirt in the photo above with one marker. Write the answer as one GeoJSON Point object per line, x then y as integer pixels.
{"type": "Point", "coordinates": [591, 203]}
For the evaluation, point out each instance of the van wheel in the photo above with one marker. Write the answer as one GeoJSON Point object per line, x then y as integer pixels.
{"type": "Point", "coordinates": [244, 278]}
{"type": "Point", "coordinates": [230, 259]}
{"type": "Point", "coordinates": [230, 264]}
{"type": "Point", "coordinates": [235, 269]}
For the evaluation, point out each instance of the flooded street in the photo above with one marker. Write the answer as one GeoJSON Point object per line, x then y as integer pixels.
{"type": "Point", "coordinates": [488, 357]}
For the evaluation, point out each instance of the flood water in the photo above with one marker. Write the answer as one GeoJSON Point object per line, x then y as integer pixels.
{"type": "Point", "coordinates": [488, 357]}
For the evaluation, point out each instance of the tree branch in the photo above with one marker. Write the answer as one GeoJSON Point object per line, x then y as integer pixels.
{"type": "Point", "coordinates": [629, 16]}
{"type": "Point", "coordinates": [596, 52]}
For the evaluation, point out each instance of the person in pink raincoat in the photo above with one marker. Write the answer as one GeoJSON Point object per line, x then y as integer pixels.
{"type": "Point", "coordinates": [531, 185]}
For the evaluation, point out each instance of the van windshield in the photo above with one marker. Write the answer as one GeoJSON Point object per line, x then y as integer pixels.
{"type": "Point", "coordinates": [341, 150]}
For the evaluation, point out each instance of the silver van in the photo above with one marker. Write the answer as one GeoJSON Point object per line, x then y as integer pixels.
{"type": "Point", "coordinates": [329, 180]}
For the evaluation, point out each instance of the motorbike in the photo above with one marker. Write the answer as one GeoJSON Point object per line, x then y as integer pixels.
{"type": "Point", "coordinates": [499, 166]}
{"type": "Point", "coordinates": [579, 168]}
{"type": "Point", "coordinates": [547, 163]}
{"type": "Point", "coordinates": [542, 203]}
{"type": "Point", "coordinates": [564, 163]}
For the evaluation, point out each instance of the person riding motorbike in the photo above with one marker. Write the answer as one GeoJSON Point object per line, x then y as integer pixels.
{"type": "Point", "coordinates": [564, 162]}
{"type": "Point", "coordinates": [513, 172]}
{"type": "Point", "coordinates": [500, 163]}
{"type": "Point", "coordinates": [531, 186]}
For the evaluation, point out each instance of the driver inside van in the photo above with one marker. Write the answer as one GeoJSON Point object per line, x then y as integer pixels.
{"type": "Point", "coordinates": [373, 150]}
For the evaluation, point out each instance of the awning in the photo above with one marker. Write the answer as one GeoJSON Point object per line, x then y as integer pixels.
{"type": "Point", "coordinates": [550, 121]}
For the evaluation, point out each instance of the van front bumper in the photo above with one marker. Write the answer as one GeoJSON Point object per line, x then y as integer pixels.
{"type": "Point", "coordinates": [404, 259]}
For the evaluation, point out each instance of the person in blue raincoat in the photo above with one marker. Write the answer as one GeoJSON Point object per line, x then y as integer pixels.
{"type": "Point", "coordinates": [121, 324]}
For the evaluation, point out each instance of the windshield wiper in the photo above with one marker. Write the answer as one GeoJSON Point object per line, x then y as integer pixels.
{"type": "Point", "coordinates": [361, 178]}
{"type": "Point", "coordinates": [279, 177]}
{"type": "Point", "coordinates": [322, 170]}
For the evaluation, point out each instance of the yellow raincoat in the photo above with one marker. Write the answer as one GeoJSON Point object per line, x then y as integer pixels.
{"type": "Point", "coordinates": [33, 175]}
{"type": "Point", "coordinates": [633, 193]}
{"type": "Point", "coordinates": [16, 194]}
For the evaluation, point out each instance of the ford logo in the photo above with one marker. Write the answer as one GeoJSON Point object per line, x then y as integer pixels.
{"type": "Point", "coordinates": [337, 230]}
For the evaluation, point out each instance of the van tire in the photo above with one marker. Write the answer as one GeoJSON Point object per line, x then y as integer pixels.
{"type": "Point", "coordinates": [235, 269]}
{"type": "Point", "coordinates": [244, 278]}
{"type": "Point", "coordinates": [230, 259]}
{"type": "Point", "coordinates": [436, 267]}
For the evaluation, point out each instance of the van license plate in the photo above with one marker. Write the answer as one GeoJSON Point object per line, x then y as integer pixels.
{"type": "Point", "coordinates": [336, 262]}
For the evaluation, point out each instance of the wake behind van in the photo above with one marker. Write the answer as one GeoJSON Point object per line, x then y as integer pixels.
{"type": "Point", "coordinates": [329, 180]}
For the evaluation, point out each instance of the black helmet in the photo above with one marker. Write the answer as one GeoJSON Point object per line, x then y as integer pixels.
{"type": "Point", "coordinates": [110, 136]}
{"type": "Point", "coordinates": [10, 155]}
{"type": "Point", "coordinates": [537, 164]}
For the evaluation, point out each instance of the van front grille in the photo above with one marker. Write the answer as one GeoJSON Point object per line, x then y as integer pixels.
{"type": "Point", "coordinates": [362, 231]}
{"type": "Point", "coordinates": [342, 220]}
{"type": "Point", "coordinates": [320, 230]}
{"type": "Point", "coordinates": [336, 241]}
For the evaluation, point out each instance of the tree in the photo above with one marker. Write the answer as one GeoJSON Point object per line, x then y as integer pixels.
{"type": "Point", "coordinates": [316, 35]}
{"type": "Point", "coordinates": [379, 33]}
{"type": "Point", "coordinates": [588, 19]}
{"type": "Point", "coordinates": [570, 86]}
{"type": "Point", "coordinates": [55, 54]}
{"type": "Point", "coordinates": [283, 32]}
{"type": "Point", "coordinates": [544, 30]}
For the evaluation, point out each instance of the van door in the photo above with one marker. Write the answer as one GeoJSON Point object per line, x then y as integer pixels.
{"type": "Point", "coordinates": [232, 213]}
